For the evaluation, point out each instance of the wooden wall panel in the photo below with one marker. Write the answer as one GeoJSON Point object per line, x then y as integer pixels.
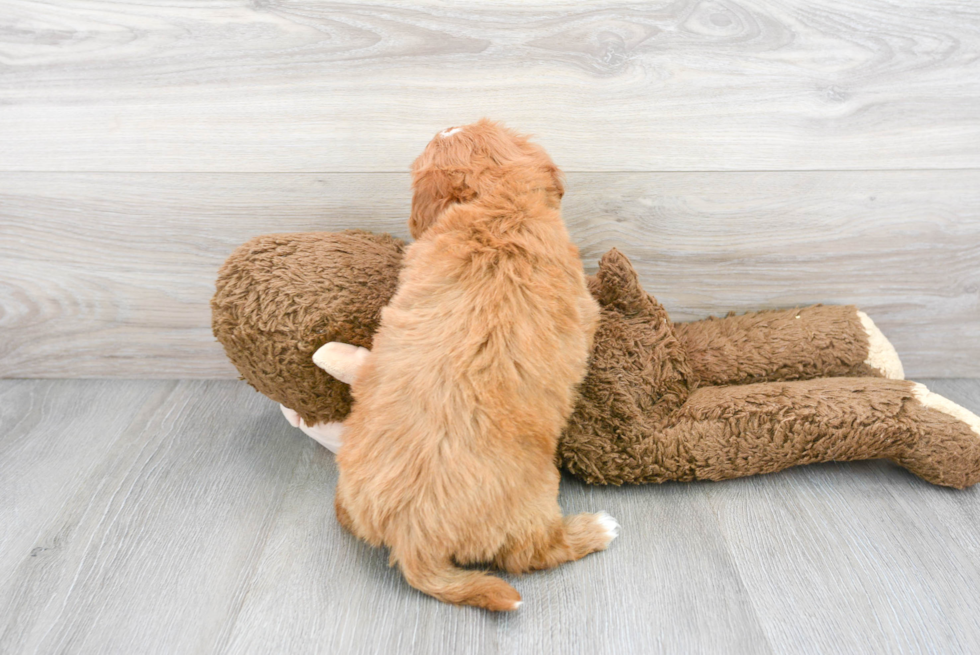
{"type": "Point", "coordinates": [305, 86]}
{"type": "Point", "coordinates": [109, 274]}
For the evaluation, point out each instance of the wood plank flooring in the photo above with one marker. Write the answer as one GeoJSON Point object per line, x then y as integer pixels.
{"type": "Point", "coordinates": [187, 516]}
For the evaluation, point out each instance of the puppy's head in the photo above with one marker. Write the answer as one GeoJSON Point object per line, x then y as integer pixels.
{"type": "Point", "coordinates": [461, 163]}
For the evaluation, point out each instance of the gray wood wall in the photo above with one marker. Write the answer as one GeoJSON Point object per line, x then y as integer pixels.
{"type": "Point", "coordinates": [744, 153]}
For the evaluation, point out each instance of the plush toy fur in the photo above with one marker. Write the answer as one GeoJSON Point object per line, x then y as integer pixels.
{"type": "Point", "coordinates": [749, 394]}
{"type": "Point", "coordinates": [282, 296]}
{"type": "Point", "coordinates": [714, 399]}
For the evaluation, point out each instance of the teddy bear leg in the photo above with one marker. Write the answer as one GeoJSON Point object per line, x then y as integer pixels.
{"type": "Point", "coordinates": [735, 431]}
{"type": "Point", "coordinates": [796, 344]}
{"type": "Point", "coordinates": [947, 451]}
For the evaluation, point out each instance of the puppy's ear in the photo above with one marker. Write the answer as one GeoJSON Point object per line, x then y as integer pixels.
{"type": "Point", "coordinates": [434, 190]}
{"type": "Point", "coordinates": [559, 180]}
{"type": "Point", "coordinates": [430, 197]}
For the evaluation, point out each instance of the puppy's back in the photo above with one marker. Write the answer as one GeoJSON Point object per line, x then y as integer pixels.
{"type": "Point", "coordinates": [449, 450]}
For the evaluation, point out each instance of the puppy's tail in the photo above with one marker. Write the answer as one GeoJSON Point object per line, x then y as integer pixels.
{"type": "Point", "coordinates": [443, 580]}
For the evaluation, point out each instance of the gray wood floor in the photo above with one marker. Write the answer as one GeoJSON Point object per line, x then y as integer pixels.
{"type": "Point", "coordinates": [187, 517]}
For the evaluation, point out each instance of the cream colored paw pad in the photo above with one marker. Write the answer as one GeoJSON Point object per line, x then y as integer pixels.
{"type": "Point", "coordinates": [946, 406]}
{"type": "Point", "coordinates": [291, 416]}
{"type": "Point", "coordinates": [328, 435]}
{"type": "Point", "coordinates": [881, 353]}
{"type": "Point", "coordinates": [341, 360]}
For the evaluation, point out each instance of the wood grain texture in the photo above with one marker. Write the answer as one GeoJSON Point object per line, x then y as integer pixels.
{"type": "Point", "coordinates": [197, 521]}
{"type": "Point", "coordinates": [868, 541]}
{"type": "Point", "coordinates": [341, 596]}
{"type": "Point", "coordinates": [298, 85]}
{"type": "Point", "coordinates": [42, 461]}
{"type": "Point", "coordinates": [110, 274]}
{"type": "Point", "coordinates": [149, 551]}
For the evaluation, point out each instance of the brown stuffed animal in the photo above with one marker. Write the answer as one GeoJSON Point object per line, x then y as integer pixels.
{"type": "Point", "coordinates": [709, 400]}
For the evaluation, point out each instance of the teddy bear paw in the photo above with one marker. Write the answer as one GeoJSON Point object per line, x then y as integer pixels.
{"type": "Point", "coordinates": [946, 406]}
{"type": "Point", "coordinates": [881, 353]}
{"type": "Point", "coordinates": [341, 360]}
{"type": "Point", "coordinates": [291, 415]}
{"type": "Point", "coordinates": [329, 435]}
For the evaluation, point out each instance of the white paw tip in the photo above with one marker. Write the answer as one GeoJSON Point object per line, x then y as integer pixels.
{"type": "Point", "coordinates": [517, 604]}
{"type": "Point", "coordinates": [609, 524]}
{"type": "Point", "coordinates": [881, 353]}
{"type": "Point", "coordinates": [947, 406]}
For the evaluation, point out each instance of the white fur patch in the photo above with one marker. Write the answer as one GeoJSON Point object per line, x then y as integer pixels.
{"type": "Point", "coordinates": [609, 524]}
{"type": "Point", "coordinates": [451, 131]}
{"type": "Point", "coordinates": [517, 604]}
{"type": "Point", "coordinates": [341, 360]}
{"type": "Point", "coordinates": [946, 406]}
{"type": "Point", "coordinates": [881, 353]}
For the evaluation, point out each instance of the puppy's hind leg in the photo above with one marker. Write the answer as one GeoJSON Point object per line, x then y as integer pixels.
{"type": "Point", "coordinates": [565, 540]}
{"type": "Point", "coordinates": [343, 517]}
{"type": "Point", "coordinates": [359, 529]}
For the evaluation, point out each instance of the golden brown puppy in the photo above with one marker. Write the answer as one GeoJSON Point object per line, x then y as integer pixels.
{"type": "Point", "coordinates": [449, 451]}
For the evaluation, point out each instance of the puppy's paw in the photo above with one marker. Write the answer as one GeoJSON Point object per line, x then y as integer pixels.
{"type": "Point", "coordinates": [609, 524]}
{"type": "Point", "coordinates": [588, 533]}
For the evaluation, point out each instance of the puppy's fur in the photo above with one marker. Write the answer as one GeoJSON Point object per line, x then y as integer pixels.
{"type": "Point", "coordinates": [449, 452]}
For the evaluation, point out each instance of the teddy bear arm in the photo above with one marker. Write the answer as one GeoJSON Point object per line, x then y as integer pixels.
{"type": "Point", "coordinates": [341, 360]}
{"type": "Point", "coordinates": [328, 434]}
{"type": "Point", "coordinates": [795, 344]}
